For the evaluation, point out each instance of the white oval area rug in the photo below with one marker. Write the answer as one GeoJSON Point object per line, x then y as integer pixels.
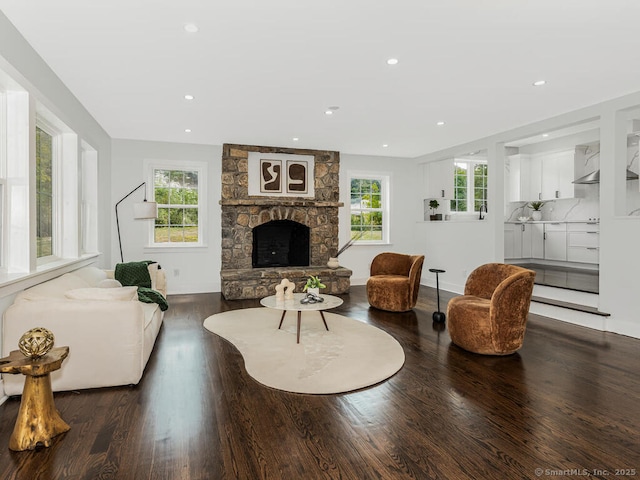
{"type": "Point", "coordinates": [350, 356]}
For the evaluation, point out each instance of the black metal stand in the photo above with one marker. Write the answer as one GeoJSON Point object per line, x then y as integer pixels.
{"type": "Point", "coordinates": [118, 222]}
{"type": "Point", "coordinates": [438, 316]}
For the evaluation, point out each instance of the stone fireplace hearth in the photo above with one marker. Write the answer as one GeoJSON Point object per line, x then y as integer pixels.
{"type": "Point", "coordinates": [242, 212]}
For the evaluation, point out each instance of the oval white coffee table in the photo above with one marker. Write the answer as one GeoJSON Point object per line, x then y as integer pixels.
{"type": "Point", "coordinates": [330, 301]}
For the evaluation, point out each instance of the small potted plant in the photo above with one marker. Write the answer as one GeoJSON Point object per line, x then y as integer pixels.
{"type": "Point", "coordinates": [536, 206]}
{"type": "Point", "coordinates": [313, 285]}
{"type": "Point", "coordinates": [433, 205]}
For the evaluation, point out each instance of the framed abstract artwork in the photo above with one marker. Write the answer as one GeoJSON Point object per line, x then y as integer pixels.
{"type": "Point", "coordinates": [270, 176]}
{"type": "Point", "coordinates": [297, 176]}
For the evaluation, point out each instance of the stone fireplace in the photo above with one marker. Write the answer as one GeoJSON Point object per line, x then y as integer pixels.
{"type": "Point", "coordinates": [242, 275]}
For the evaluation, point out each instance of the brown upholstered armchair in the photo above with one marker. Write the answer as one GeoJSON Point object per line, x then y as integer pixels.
{"type": "Point", "coordinates": [490, 318]}
{"type": "Point", "coordinates": [394, 281]}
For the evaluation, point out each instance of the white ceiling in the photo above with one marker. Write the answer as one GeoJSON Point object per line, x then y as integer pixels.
{"type": "Point", "coordinates": [264, 71]}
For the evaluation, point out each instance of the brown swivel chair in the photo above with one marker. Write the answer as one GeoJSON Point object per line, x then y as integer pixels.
{"type": "Point", "coordinates": [491, 316]}
{"type": "Point", "coordinates": [394, 281]}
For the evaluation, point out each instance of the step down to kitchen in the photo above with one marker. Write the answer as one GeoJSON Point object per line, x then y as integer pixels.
{"type": "Point", "coordinates": [571, 306]}
{"type": "Point", "coordinates": [577, 307]}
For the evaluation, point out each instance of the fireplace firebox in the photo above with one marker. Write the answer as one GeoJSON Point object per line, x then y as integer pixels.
{"type": "Point", "coordinates": [280, 243]}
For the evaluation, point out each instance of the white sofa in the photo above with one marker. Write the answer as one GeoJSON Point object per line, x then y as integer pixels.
{"type": "Point", "coordinates": [109, 332]}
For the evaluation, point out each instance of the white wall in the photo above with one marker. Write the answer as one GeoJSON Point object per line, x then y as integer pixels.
{"type": "Point", "coordinates": [404, 208]}
{"type": "Point", "coordinates": [188, 270]}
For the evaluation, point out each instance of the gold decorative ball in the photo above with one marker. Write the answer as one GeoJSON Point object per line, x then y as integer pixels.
{"type": "Point", "coordinates": [36, 342]}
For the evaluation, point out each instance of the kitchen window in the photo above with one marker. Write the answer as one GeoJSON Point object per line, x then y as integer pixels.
{"type": "Point", "coordinates": [470, 186]}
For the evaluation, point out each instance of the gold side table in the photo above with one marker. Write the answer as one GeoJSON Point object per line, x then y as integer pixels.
{"type": "Point", "coordinates": [38, 419]}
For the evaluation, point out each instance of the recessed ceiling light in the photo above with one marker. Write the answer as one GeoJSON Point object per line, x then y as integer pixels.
{"type": "Point", "coordinates": [295, 139]}
{"type": "Point", "coordinates": [545, 134]}
{"type": "Point", "coordinates": [189, 97]}
{"type": "Point", "coordinates": [392, 61]}
{"type": "Point", "coordinates": [539, 83]}
{"type": "Point", "coordinates": [191, 28]}
{"type": "Point", "coordinates": [440, 123]}
{"type": "Point", "coordinates": [187, 130]}
{"type": "Point", "coordinates": [328, 112]}
{"type": "Point", "coordinates": [385, 145]}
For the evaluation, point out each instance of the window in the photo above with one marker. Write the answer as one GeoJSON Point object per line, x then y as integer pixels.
{"type": "Point", "coordinates": [369, 207]}
{"type": "Point", "coordinates": [44, 193]}
{"type": "Point", "coordinates": [179, 191]}
{"type": "Point", "coordinates": [470, 186]}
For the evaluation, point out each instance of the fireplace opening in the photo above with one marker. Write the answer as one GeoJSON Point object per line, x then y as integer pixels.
{"type": "Point", "coordinates": [280, 243]}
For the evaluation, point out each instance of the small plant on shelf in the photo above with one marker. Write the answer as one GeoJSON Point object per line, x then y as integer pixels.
{"type": "Point", "coordinates": [313, 282]}
{"type": "Point", "coordinates": [433, 205]}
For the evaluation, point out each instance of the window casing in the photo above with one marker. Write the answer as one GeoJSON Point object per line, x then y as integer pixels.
{"type": "Point", "coordinates": [180, 190]}
{"type": "Point", "coordinates": [45, 199]}
{"type": "Point", "coordinates": [469, 186]}
{"type": "Point", "coordinates": [369, 208]}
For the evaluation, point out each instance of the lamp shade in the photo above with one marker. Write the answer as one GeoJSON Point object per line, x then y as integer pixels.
{"type": "Point", "coordinates": [145, 210]}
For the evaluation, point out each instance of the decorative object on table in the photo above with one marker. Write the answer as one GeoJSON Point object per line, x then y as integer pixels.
{"type": "Point", "coordinates": [523, 219]}
{"type": "Point", "coordinates": [438, 316]}
{"type": "Point", "coordinates": [433, 205]}
{"type": "Point", "coordinates": [394, 281]}
{"type": "Point", "coordinates": [490, 318]}
{"type": "Point", "coordinates": [141, 211]}
{"type": "Point", "coordinates": [333, 261]}
{"type": "Point", "coordinates": [38, 419]}
{"type": "Point", "coordinates": [349, 356]}
{"type": "Point", "coordinates": [36, 342]}
{"type": "Point", "coordinates": [313, 285]}
{"type": "Point", "coordinates": [536, 215]}
{"type": "Point", "coordinates": [284, 291]}
{"type": "Point", "coordinates": [311, 298]}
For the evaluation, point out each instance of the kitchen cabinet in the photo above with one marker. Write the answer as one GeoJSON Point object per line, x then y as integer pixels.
{"type": "Point", "coordinates": [583, 242]}
{"type": "Point", "coordinates": [544, 176]}
{"type": "Point", "coordinates": [524, 240]}
{"type": "Point", "coordinates": [555, 241]}
{"type": "Point", "coordinates": [557, 172]}
{"type": "Point", "coordinates": [438, 179]}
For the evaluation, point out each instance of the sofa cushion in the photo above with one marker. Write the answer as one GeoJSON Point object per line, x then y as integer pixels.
{"type": "Point", "coordinates": [91, 275]}
{"type": "Point", "coordinates": [109, 283]}
{"type": "Point", "coordinates": [124, 294]}
{"type": "Point", "coordinates": [55, 288]}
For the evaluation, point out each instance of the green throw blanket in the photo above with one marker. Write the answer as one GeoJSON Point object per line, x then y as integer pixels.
{"type": "Point", "coordinates": [136, 274]}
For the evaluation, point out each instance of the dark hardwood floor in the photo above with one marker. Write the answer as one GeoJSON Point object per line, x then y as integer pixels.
{"type": "Point", "coordinates": [569, 399]}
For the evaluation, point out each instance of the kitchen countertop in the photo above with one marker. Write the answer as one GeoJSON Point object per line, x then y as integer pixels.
{"type": "Point", "coordinates": [554, 221]}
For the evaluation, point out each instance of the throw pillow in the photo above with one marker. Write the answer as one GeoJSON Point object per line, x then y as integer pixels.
{"type": "Point", "coordinates": [109, 283]}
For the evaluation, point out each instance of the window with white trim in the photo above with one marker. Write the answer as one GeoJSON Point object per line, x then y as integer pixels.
{"type": "Point", "coordinates": [369, 208]}
{"type": "Point", "coordinates": [470, 186]}
{"type": "Point", "coordinates": [45, 168]}
{"type": "Point", "coordinates": [179, 189]}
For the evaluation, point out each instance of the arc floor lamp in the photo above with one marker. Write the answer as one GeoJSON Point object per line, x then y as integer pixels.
{"type": "Point", "coordinates": [141, 210]}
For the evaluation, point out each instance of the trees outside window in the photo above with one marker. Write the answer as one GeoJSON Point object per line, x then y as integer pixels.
{"type": "Point", "coordinates": [470, 186]}
{"type": "Point", "coordinates": [369, 207]}
{"type": "Point", "coordinates": [177, 195]}
{"type": "Point", "coordinates": [44, 194]}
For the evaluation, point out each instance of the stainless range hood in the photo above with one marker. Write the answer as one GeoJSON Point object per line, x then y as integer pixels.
{"type": "Point", "coordinates": [594, 177]}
